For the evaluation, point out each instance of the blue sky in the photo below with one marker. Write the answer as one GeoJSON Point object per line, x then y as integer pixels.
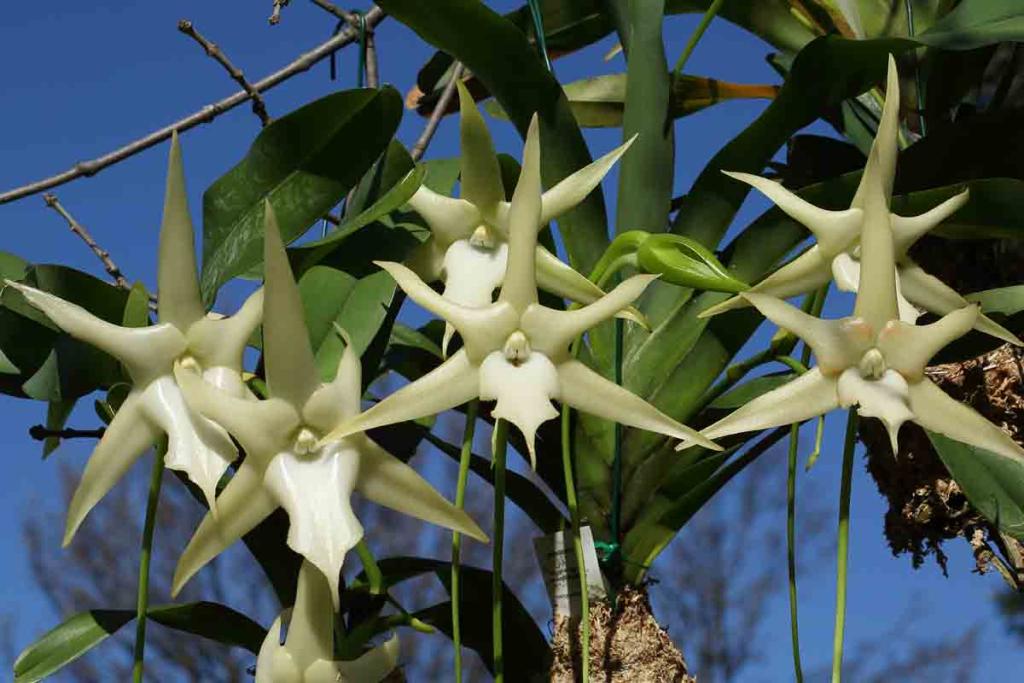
{"type": "Point", "coordinates": [83, 78]}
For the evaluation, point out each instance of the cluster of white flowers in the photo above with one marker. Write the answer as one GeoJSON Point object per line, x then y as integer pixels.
{"type": "Point", "coordinates": [305, 446]}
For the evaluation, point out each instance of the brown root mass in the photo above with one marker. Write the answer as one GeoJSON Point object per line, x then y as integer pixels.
{"type": "Point", "coordinates": [626, 645]}
{"type": "Point", "coordinates": [926, 507]}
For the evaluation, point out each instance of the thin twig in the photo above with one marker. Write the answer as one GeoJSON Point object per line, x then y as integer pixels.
{"type": "Point", "coordinates": [42, 433]}
{"type": "Point", "coordinates": [435, 116]}
{"type": "Point", "coordinates": [258, 106]}
{"type": "Point", "coordinates": [204, 115]}
{"type": "Point", "coordinates": [372, 71]}
{"type": "Point", "coordinates": [102, 254]}
{"type": "Point", "coordinates": [275, 14]}
{"type": "Point", "coordinates": [349, 17]}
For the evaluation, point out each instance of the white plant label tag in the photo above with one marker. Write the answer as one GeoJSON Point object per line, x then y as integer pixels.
{"type": "Point", "coordinates": [557, 559]}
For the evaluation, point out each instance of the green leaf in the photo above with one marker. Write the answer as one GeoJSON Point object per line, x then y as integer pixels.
{"type": "Point", "coordinates": [748, 391]}
{"type": "Point", "coordinates": [67, 642]}
{"type": "Point", "coordinates": [975, 24]}
{"type": "Point", "coordinates": [213, 621]}
{"type": "Point", "coordinates": [304, 163]}
{"type": "Point", "coordinates": [994, 484]}
{"type": "Point", "coordinates": [527, 655]}
{"type": "Point", "coordinates": [57, 414]}
{"type": "Point", "coordinates": [359, 305]}
{"type": "Point", "coordinates": [403, 335]}
{"type": "Point", "coordinates": [685, 262]}
{"type": "Point", "coordinates": [1005, 300]}
{"type": "Point", "coordinates": [520, 490]}
{"type": "Point", "coordinates": [501, 57]}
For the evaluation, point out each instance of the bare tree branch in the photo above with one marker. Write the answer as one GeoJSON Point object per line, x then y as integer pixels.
{"type": "Point", "coordinates": [435, 116]}
{"type": "Point", "coordinates": [275, 14]}
{"type": "Point", "coordinates": [372, 70]}
{"type": "Point", "coordinates": [204, 115]}
{"type": "Point", "coordinates": [258, 106]}
{"type": "Point", "coordinates": [102, 254]}
{"type": "Point", "coordinates": [348, 17]}
{"type": "Point", "coordinates": [42, 433]}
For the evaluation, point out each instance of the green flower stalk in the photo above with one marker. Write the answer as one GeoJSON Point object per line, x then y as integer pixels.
{"type": "Point", "coordinates": [185, 333]}
{"type": "Point", "coordinates": [307, 655]}
{"type": "Point", "coordinates": [468, 245]}
{"type": "Point", "coordinates": [515, 350]}
{"type": "Point", "coordinates": [871, 359]}
{"type": "Point", "coordinates": [838, 252]}
{"type": "Point", "coordinates": [288, 461]}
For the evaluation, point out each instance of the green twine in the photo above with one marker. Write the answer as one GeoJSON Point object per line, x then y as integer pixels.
{"type": "Point", "coordinates": [538, 30]}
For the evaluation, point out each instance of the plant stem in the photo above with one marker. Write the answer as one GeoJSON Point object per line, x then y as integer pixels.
{"type": "Point", "coordinates": [843, 545]}
{"type": "Point", "coordinates": [460, 500]}
{"type": "Point", "coordinates": [794, 440]}
{"type": "Point", "coordinates": [145, 555]}
{"type": "Point", "coordinates": [497, 585]}
{"type": "Point", "coordinates": [697, 34]}
{"type": "Point", "coordinates": [577, 542]}
{"type": "Point", "coordinates": [373, 573]}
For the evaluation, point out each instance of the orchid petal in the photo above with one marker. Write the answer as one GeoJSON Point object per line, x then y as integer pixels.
{"type": "Point", "coordinates": [291, 370]}
{"type": "Point", "coordinates": [908, 348]}
{"type": "Point", "coordinates": [125, 439]}
{"type": "Point", "coordinates": [481, 174]}
{"type": "Point", "coordinates": [809, 395]}
{"type": "Point", "coordinates": [834, 230]}
{"type": "Point", "coordinates": [482, 329]}
{"type": "Point", "coordinates": [585, 390]}
{"type": "Point", "coordinates": [558, 278]}
{"type": "Point", "coordinates": [311, 627]}
{"type": "Point", "coordinates": [180, 303]}
{"type": "Point", "coordinates": [573, 189]}
{"type": "Point", "coordinates": [880, 170]}
{"type": "Point", "coordinates": [242, 505]}
{"type": "Point", "coordinates": [846, 273]}
{"type": "Point", "coordinates": [372, 666]}
{"type": "Point", "coordinates": [450, 384]}
{"type": "Point", "coordinates": [473, 273]}
{"type": "Point", "coordinates": [448, 218]}
{"type": "Point", "coordinates": [837, 344]}
{"type": "Point", "coordinates": [936, 411]}
{"type": "Point", "coordinates": [316, 490]}
{"type": "Point", "coordinates": [552, 331]}
{"type": "Point", "coordinates": [932, 294]}
{"type": "Point", "coordinates": [262, 427]}
{"type": "Point", "coordinates": [908, 229]}
{"type": "Point", "coordinates": [884, 398]}
{"type": "Point", "coordinates": [523, 392]}
{"type": "Point", "coordinates": [146, 352]}
{"type": "Point", "coordinates": [220, 342]}
{"type": "Point", "coordinates": [342, 397]}
{"type": "Point", "coordinates": [274, 664]}
{"type": "Point", "coordinates": [520, 283]}
{"type": "Point", "coordinates": [388, 481]}
{"type": "Point", "coordinates": [195, 445]}
{"type": "Point", "coordinates": [876, 295]}
{"type": "Point", "coordinates": [806, 273]}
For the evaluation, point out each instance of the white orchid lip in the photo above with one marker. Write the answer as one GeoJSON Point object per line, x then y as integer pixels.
{"type": "Point", "coordinates": [288, 463]}
{"type": "Point", "coordinates": [480, 218]}
{"type": "Point", "coordinates": [515, 350]}
{"type": "Point", "coordinates": [185, 333]}
{"type": "Point", "coordinates": [836, 253]}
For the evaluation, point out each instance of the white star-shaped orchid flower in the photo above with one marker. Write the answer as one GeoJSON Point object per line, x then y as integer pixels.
{"type": "Point", "coordinates": [285, 465]}
{"type": "Point", "coordinates": [871, 359]}
{"type": "Point", "coordinates": [307, 655]}
{"type": "Point", "coordinates": [185, 332]}
{"type": "Point", "coordinates": [515, 350]}
{"type": "Point", "coordinates": [837, 252]}
{"type": "Point", "coordinates": [468, 245]}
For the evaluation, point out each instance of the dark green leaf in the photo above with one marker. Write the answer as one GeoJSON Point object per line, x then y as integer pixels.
{"type": "Point", "coordinates": [211, 620]}
{"type": "Point", "coordinates": [57, 413]}
{"type": "Point", "coordinates": [1004, 300]}
{"type": "Point", "coordinates": [304, 163]}
{"type": "Point", "coordinates": [67, 642]}
{"type": "Point", "coordinates": [748, 391]}
{"type": "Point", "coordinates": [974, 24]}
{"type": "Point", "coordinates": [993, 483]}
